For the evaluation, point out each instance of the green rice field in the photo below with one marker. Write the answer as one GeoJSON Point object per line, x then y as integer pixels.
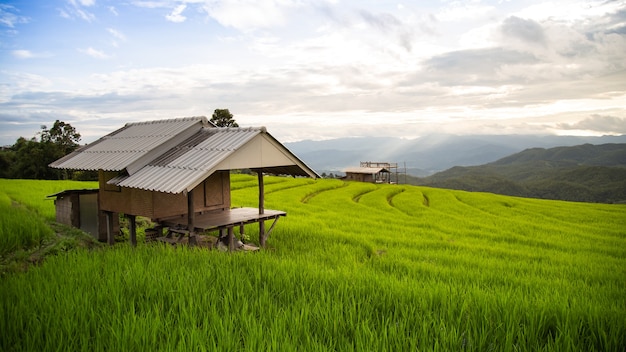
{"type": "Point", "coordinates": [353, 267]}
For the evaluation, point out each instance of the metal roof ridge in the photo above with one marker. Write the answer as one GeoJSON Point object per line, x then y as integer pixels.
{"type": "Point", "coordinates": [170, 120]}
{"type": "Point", "coordinates": [233, 129]}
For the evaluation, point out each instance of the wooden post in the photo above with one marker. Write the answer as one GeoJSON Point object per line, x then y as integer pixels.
{"type": "Point", "coordinates": [110, 236]}
{"type": "Point", "coordinates": [261, 208]}
{"type": "Point", "coordinates": [133, 230]}
{"type": "Point", "coordinates": [231, 238]}
{"type": "Point", "coordinates": [261, 192]}
{"type": "Point", "coordinates": [191, 219]}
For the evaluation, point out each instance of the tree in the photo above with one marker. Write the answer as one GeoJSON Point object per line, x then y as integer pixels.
{"type": "Point", "coordinates": [29, 159]}
{"type": "Point", "coordinates": [32, 159]}
{"type": "Point", "coordinates": [223, 118]}
{"type": "Point", "coordinates": [62, 135]}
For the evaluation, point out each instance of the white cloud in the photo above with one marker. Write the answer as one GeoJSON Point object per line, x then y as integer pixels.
{"type": "Point", "coordinates": [82, 2]}
{"type": "Point", "coordinates": [76, 9]}
{"type": "Point", "coordinates": [23, 54]}
{"type": "Point", "coordinates": [248, 15]}
{"type": "Point", "coordinates": [27, 54]}
{"type": "Point", "coordinates": [9, 16]}
{"type": "Point", "coordinates": [117, 35]}
{"type": "Point", "coordinates": [149, 4]}
{"type": "Point", "coordinates": [94, 53]}
{"type": "Point", "coordinates": [176, 14]}
{"type": "Point", "coordinates": [459, 11]}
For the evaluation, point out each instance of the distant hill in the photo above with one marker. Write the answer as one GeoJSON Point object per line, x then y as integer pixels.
{"type": "Point", "coordinates": [429, 154]}
{"type": "Point", "coordinates": [586, 173]}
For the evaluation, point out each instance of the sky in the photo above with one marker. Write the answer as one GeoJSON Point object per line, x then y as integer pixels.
{"type": "Point", "coordinates": [316, 69]}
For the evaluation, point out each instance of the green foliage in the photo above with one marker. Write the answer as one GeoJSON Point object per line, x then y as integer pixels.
{"type": "Point", "coordinates": [34, 194]}
{"type": "Point", "coordinates": [18, 228]}
{"type": "Point", "coordinates": [585, 173]}
{"type": "Point", "coordinates": [223, 118]}
{"type": "Point", "coordinates": [29, 159]}
{"type": "Point", "coordinates": [27, 234]}
{"type": "Point", "coordinates": [353, 266]}
{"type": "Point", "coordinates": [62, 136]}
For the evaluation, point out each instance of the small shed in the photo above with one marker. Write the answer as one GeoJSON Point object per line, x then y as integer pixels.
{"type": "Point", "coordinates": [79, 208]}
{"type": "Point", "coordinates": [367, 174]}
{"type": "Point", "coordinates": [177, 173]}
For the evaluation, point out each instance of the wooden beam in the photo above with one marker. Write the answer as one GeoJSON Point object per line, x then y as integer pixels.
{"type": "Point", "coordinates": [261, 192]}
{"type": "Point", "coordinates": [271, 227]}
{"type": "Point", "coordinates": [133, 230]}
{"type": "Point", "coordinates": [261, 208]}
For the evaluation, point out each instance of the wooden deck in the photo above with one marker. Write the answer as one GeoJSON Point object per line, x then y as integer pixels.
{"type": "Point", "coordinates": [223, 219]}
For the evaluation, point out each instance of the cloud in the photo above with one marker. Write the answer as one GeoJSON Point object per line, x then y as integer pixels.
{"type": "Point", "coordinates": [86, 3]}
{"type": "Point", "coordinates": [117, 35]}
{"type": "Point", "coordinates": [526, 30]}
{"type": "Point", "coordinates": [113, 10]}
{"type": "Point", "coordinates": [176, 14]}
{"type": "Point", "coordinates": [463, 11]}
{"type": "Point", "coordinates": [389, 24]}
{"type": "Point", "coordinates": [340, 68]}
{"type": "Point", "coordinates": [76, 9]}
{"type": "Point", "coordinates": [598, 123]}
{"type": "Point", "coordinates": [250, 15]}
{"type": "Point", "coordinates": [9, 16]}
{"type": "Point", "coordinates": [94, 53]}
{"type": "Point", "coordinates": [477, 66]}
{"type": "Point", "coordinates": [27, 54]}
{"type": "Point", "coordinates": [22, 54]}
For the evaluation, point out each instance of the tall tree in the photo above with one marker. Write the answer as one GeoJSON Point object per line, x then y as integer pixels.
{"type": "Point", "coordinates": [223, 118]}
{"type": "Point", "coordinates": [62, 135]}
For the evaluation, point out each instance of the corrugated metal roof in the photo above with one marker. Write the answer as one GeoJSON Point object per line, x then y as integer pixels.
{"type": "Point", "coordinates": [190, 161]}
{"type": "Point", "coordinates": [182, 153]}
{"type": "Point", "coordinates": [365, 170]}
{"type": "Point", "coordinates": [119, 149]}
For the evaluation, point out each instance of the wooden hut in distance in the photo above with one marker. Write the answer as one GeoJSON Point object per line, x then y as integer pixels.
{"type": "Point", "coordinates": [367, 174]}
{"type": "Point", "coordinates": [177, 173]}
{"type": "Point", "coordinates": [374, 172]}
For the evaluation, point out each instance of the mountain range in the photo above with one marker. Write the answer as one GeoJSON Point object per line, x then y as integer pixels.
{"type": "Point", "coordinates": [586, 173]}
{"type": "Point", "coordinates": [429, 154]}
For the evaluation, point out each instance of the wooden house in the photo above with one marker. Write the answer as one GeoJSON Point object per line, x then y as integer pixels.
{"type": "Point", "coordinates": [367, 174]}
{"type": "Point", "coordinates": [177, 173]}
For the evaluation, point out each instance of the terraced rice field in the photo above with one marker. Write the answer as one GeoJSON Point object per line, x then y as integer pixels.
{"type": "Point", "coordinates": [353, 266]}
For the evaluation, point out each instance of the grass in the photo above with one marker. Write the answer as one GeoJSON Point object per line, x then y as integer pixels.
{"type": "Point", "coordinates": [352, 267]}
{"type": "Point", "coordinates": [27, 231]}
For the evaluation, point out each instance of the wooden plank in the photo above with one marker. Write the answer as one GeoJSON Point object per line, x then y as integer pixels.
{"type": "Point", "coordinates": [183, 231]}
{"type": "Point", "coordinates": [167, 240]}
{"type": "Point", "coordinates": [224, 218]}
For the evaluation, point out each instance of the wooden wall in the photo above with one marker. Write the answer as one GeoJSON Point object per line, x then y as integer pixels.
{"type": "Point", "coordinates": [360, 177]}
{"type": "Point", "coordinates": [67, 210]}
{"type": "Point", "coordinates": [212, 194]}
